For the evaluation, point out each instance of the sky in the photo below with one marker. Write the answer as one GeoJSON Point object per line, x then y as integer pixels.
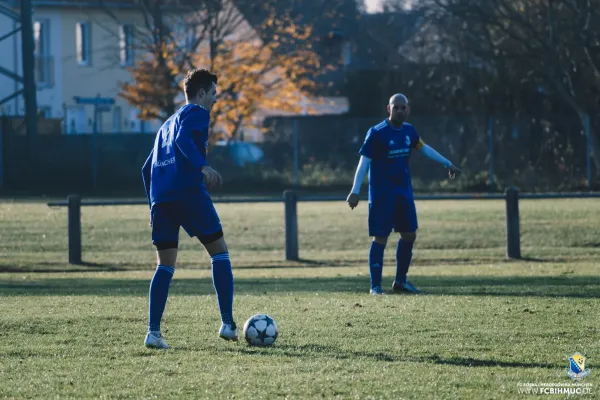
{"type": "Point", "coordinates": [373, 5]}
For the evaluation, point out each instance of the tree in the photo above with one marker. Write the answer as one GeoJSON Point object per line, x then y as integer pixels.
{"type": "Point", "coordinates": [396, 5]}
{"type": "Point", "coordinates": [161, 52]}
{"type": "Point", "coordinates": [274, 74]}
{"type": "Point", "coordinates": [550, 43]}
{"type": "Point", "coordinates": [256, 73]}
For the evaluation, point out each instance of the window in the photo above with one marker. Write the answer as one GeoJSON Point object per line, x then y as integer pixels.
{"type": "Point", "coordinates": [43, 61]}
{"type": "Point", "coordinates": [83, 43]}
{"type": "Point", "coordinates": [41, 38]}
{"type": "Point", "coordinates": [187, 35]}
{"type": "Point", "coordinates": [126, 44]}
{"type": "Point", "coordinates": [76, 121]}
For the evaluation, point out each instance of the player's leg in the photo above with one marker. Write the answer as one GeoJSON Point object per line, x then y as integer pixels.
{"type": "Point", "coordinates": [380, 226]}
{"type": "Point", "coordinates": [165, 237]}
{"type": "Point", "coordinates": [203, 223]}
{"type": "Point", "coordinates": [405, 222]}
{"type": "Point", "coordinates": [222, 275]}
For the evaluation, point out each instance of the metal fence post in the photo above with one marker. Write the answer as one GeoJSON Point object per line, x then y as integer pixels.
{"type": "Point", "coordinates": [588, 151]}
{"type": "Point", "coordinates": [492, 172]}
{"type": "Point", "coordinates": [291, 225]}
{"type": "Point", "coordinates": [74, 222]}
{"type": "Point", "coordinates": [513, 239]}
{"type": "Point", "coordinates": [94, 140]}
{"type": "Point", "coordinates": [29, 83]}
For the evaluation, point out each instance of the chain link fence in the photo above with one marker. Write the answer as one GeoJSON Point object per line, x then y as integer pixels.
{"type": "Point", "coordinates": [315, 153]}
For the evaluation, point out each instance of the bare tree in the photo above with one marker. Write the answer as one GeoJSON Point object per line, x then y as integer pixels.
{"type": "Point", "coordinates": [396, 5]}
{"type": "Point", "coordinates": [256, 71]}
{"type": "Point", "coordinates": [556, 40]}
{"type": "Point", "coordinates": [165, 45]}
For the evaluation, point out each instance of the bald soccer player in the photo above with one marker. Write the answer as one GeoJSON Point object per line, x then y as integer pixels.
{"type": "Point", "coordinates": [385, 153]}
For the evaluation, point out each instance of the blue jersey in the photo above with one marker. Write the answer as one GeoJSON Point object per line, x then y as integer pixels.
{"type": "Point", "coordinates": [172, 171]}
{"type": "Point", "coordinates": [389, 149]}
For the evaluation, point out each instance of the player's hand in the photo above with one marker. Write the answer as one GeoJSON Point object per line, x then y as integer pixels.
{"type": "Point", "coordinates": [453, 171]}
{"type": "Point", "coordinates": [211, 177]}
{"type": "Point", "coordinates": [352, 200]}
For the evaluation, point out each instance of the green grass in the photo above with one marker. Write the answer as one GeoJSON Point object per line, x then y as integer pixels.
{"type": "Point", "coordinates": [485, 326]}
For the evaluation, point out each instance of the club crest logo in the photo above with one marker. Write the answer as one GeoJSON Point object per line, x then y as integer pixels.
{"type": "Point", "coordinates": [407, 141]}
{"type": "Point", "coordinates": [576, 370]}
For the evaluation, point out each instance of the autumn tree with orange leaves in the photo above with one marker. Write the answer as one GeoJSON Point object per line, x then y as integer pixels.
{"type": "Point", "coordinates": [256, 72]}
{"type": "Point", "coordinates": [257, 75]}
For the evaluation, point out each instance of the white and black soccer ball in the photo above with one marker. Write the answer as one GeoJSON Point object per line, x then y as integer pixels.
{"type": "Point", "coordinates": [260, 330]}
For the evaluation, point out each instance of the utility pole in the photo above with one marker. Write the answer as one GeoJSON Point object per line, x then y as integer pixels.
{"type": "Point", "coordinates": [29, 88]}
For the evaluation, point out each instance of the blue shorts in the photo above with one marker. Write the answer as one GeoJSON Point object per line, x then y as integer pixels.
{"type": "Point", "coordinates": [385, 216]}
{"type": "Point", "coordinates": [197, 216]}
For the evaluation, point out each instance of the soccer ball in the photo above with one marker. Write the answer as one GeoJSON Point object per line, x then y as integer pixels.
{"type": "Point", "coordinates": [260, 330]}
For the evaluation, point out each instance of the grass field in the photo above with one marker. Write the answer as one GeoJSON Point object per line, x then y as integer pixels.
{"type": "Point", "coordinates": [485, 327]}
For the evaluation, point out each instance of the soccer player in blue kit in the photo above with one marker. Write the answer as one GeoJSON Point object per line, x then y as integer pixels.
{"type": "Point", "coordinates": [385, 153]}
{"type": "Point", "coordinates": [176, 177]}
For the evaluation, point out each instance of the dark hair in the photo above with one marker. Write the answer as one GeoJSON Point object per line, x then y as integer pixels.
{"type": "Point", "coordinates": [197, 79]}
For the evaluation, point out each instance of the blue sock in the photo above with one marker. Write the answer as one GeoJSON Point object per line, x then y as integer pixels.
{"type": "Point", "coordinates": [223, 283]}
{"type": "Point", "coordinates": [159, 291]}
{"type": "Point", "coordinates": [376, 263]}
{"type": "Point", "coordinates": [403, 258]}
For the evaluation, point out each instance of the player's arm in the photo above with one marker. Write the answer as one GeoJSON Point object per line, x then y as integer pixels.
{"type": "Point", "coordinates": [184, 139]}
{"type": "Point", "coordinates": [146, 175]}
{"type": "Point", "coordinates": [359, 177]}
{"type": "Point", "coordinates": [361, 171]}
{"type": "Point", "coordinates": [185, 143]}
{"type": "Point", "coordinates": [431, 153]}
{"type": "Point", "coordinates": [370, 149]}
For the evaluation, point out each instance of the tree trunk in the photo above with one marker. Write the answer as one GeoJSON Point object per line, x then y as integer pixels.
{"type": "Point", "coordinates": [213, 51]}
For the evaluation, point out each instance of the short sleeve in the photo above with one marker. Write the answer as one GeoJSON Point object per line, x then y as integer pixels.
{"type": "Point", "coordinates": [195, 119]}
{"type": "Point", "coordinates": [371, 147]}
{"type": "Point", "coordinates": [415, 141]}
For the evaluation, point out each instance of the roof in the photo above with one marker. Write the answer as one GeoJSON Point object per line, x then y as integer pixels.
{"type": "Point", "coordinates": [324, 16]}
{"type": "Point", "coordinates": [331, 22]}
{"type": "Point", "coordinates": [380, 37]}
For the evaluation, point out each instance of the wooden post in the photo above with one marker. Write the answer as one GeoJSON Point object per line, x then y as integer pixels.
{"type": "Point", "coordinates": [291, 225]}
{"type": "Point", "coordinates": [513, 238]}
{"type": "Point", "coordinates": [74, 222]}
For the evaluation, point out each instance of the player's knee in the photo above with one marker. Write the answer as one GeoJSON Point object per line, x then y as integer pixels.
{"type": "Point", "coordinates": [380, 239]}
{"type": "Point", "coordinates": [167, 256]}
{"type": "Point", "coordinates": [409, 236]}
{"type": "Point", "coordinates": [211, 238]}
{"type": "Point", "coordinates": [216, 246]}
{"type": "Point", "coordinates": [165, 245]}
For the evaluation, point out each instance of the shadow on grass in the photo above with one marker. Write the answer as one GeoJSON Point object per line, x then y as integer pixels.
{"type": "Point", "coordinates": [535, 286]}
{"type": "Point", "coordinates": [473, 362]}
{"type": "Point", "coordinates": [61, 267]}
{"type": "Point", "coordinates": [51, 267]}
{"type": "Point", "coordinates": [322, 351]}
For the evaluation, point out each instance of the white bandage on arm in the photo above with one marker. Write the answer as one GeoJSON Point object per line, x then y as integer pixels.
{"type": "Point", "coordinates": [361, 171]}
{"type": "Point", "coordinates": [434, 155]}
